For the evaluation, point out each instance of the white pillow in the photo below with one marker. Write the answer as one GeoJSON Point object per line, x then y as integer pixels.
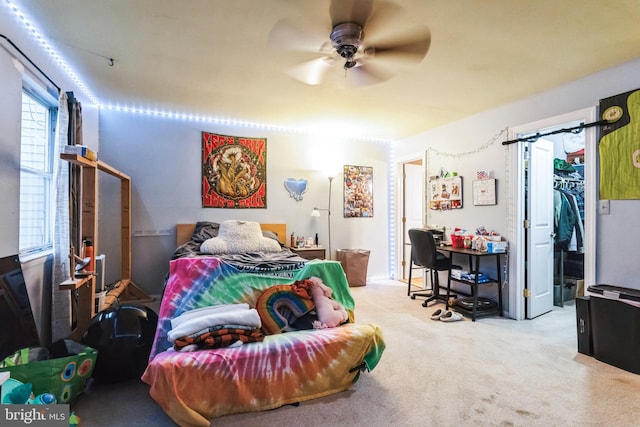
{"type": "Point", "coordinates": [236, 237]}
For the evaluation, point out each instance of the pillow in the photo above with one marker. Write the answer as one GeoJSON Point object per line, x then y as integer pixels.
{"type": "Point", "coordinates": [280, 306]}
{"type": "Point", "coordinates": [205, 230]}
{"type": "Point", "coordinates": [236, 237]}
{"type": "Point", "coordinates": [272, 235]}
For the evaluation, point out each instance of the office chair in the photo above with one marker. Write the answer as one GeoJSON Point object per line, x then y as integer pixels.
{"type": "Point", "coordinates": [424, 254]}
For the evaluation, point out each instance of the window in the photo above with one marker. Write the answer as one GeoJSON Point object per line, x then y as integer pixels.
{"type": "Point", "coordinates": [36, 172]}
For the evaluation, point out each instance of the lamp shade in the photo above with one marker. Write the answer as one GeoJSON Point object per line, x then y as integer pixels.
{"type": "Point", "coordinates": [315, 212]}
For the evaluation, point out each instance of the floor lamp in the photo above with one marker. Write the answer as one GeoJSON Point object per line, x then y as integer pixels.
{"type": "Point", "coordinates": [316, 213]}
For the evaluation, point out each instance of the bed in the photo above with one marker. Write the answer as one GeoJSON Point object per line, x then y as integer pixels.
{"type": "Point", "coordinates": [276, 369]}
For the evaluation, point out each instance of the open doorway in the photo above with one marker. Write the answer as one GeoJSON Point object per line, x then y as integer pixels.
{"type": "Point", "coordinates": [551, 266]}
{"type": "Point", "coordinates": [411, 211]}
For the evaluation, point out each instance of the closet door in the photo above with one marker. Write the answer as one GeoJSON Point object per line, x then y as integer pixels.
{"type": "Point", "coordinates": [541, 228]}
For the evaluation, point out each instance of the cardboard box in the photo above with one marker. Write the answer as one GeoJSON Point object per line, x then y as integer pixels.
{"type": "Point", "coordinates": [81, 150]}
{"type": "Point", "coordinates": [497, 247]}
{"type": "Point", "coordinates": [458, 274]}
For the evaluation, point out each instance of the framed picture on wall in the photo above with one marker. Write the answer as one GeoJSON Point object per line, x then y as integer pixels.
{"type": "Point", "coordinates": [445, 193]}
{"type": "Point", "coordinates": [358, 191]}
{"type": "Point", "coordinates": [484, 192]}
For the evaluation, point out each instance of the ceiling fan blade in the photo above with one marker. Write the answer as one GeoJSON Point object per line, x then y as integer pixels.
{"type": "Point", "coordinates": [411, 47]}
{"type": "Point", "coordinates": [356, 11]}
{"type": "Point", "coordinates": [301, 36]}
{"type": "Point", "coordinates": [312, 72]}
{"type": "Point", "coordinates": [384, 15]}
{"type": "Point", "coordinates": [367, 74]}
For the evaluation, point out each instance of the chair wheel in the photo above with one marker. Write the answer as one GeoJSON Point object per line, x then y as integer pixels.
{"type": "Point", "coordinates": [425, 304]}
{"type": "Point", "coordinates": [413, 297]}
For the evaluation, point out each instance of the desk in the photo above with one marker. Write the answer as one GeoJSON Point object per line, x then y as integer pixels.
{"type": "Point", "coordinates": [474, 268]}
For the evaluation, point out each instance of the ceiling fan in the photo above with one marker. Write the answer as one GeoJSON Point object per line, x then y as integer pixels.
{"type": "Point", "coordinates": [391, 40]}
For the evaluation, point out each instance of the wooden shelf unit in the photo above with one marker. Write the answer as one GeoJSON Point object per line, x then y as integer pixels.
{"type": "Point", "coordinates": [124, 289]}
{"type": "Point", "coordinates": [82, 306]}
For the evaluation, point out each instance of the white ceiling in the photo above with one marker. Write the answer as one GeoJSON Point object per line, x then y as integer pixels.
{"type": "Point", "coordinates": [211, 57]}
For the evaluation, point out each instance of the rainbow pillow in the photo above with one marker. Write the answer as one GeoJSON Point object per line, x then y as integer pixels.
{"type": "Point", "coordinates": [278, 306]}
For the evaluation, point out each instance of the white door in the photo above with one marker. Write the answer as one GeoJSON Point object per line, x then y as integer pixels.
{"type": "Point", "coordinates": [412, 196]}
{"type": "Point", "coordinates": [540, 236]}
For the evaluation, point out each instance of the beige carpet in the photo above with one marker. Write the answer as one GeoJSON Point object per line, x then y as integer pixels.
{"type": "Point", "coordinates": [493, 372]}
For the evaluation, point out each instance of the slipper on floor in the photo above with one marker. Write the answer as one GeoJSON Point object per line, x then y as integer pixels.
{"type": "Point", "coordinates": [451, 316]}
{"type": "Point", "coordinates": [437, 314]}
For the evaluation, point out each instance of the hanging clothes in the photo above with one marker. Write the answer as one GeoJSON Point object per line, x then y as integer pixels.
{"type": "Point", "coordinates": [569, 213]}
{"type": "Point", "coordinates": [577, 240]}
{"type": "Point", "coordinates": [566, 220]}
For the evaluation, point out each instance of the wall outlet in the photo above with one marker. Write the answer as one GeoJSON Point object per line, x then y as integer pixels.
{"type": "Point", "coordinates": [604, 207]}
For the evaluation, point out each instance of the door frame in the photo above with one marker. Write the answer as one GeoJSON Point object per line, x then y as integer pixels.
{"type": "Point", "coordinates": [515, 187]}
{"type": "Point", "coordinates": [399, 184]}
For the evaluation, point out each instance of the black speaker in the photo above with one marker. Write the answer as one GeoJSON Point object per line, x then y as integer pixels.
{"type": "Point", "coordinates": [583, 318]}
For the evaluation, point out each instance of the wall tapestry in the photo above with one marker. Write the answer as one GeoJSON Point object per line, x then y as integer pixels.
{"type": "Point", "coordinates": [358, 191]}
{"type": "Point", "coordinates": [234, 171]}
{"type": "Point", "coordinates": [620, 147]}
{"type": "Point", "coordinates": [445, 193]}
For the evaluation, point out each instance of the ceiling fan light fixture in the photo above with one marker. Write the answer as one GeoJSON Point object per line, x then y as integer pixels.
{"type": "Point", "coordinates": [346, 39]}
{"type": "Point", "coordinates": [350, 64]}
{"type": "Point", "coordinates": [347, 34]}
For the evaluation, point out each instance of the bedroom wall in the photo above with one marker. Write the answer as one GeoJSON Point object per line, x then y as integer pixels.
{"type": "Point", "coordinates": [163, 156]}
{"type": "Point", "coordinates": [37, 270]}
{"type": "Point", "coordinates": [468, 140]}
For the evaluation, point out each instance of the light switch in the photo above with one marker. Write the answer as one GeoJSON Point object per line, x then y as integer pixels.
{"type": "Point", "coordinates": [604, 207]}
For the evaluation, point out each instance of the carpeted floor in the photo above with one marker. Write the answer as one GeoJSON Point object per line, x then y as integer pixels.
{"type": "Point", "coordinates": [493, 372]}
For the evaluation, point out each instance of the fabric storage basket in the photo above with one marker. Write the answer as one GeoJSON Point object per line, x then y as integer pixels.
{"type": "Point", "coordinates": [354, 263]}
{"type": "Point", "coordinates": [65, 376]}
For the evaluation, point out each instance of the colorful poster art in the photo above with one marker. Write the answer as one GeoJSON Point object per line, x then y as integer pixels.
{"type": "Point", "coordinates": [234, 171]}
{"type": "Point", "coordinates": [619, 147]}
{"type": "Point", "coordinates": [358, 191]}
{"type": "Point", "coordinates": [445, 193]}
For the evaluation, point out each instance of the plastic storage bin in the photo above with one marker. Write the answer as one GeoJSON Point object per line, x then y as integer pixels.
{"type": "Point", "coordinates": [615, 326]}
{"type": "Point", "coordinates": [583, 323]}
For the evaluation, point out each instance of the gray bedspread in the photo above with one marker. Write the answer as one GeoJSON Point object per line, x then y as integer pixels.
{"type": "Point", "coordinates": [255, 261]}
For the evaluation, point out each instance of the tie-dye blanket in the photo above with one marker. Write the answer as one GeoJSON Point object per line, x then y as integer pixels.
{"type": "Point", "coordinates": [287, 368]}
